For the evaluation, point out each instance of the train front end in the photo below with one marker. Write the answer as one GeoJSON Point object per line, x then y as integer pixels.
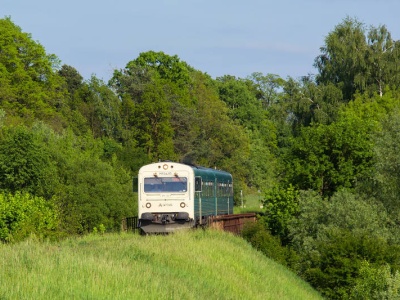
{"type": "Point", "coordinates": [165, 197]}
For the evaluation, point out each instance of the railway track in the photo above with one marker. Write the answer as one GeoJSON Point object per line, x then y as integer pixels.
{"type": "Point", "coordinates": [232, 223]}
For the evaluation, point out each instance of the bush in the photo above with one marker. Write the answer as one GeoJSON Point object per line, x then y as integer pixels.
{"type": "Point", "coordinates": [260, 238]}
{"type": "Point", "coordinates": [281, 205]}
{"type": "Point", "coordinates": [22, 215]}
{"type": "Point", "coordinates": [376, 282]}
{"type": "Point", "coordinates": [334, 237]}
{"type": "Point", "coordinates": [25, 163]}
{"type": "Point", "coordinates": [334, 267]}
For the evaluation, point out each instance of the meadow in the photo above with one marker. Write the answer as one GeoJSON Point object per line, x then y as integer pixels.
{"type": "Point", "coordinates": [186, 265]}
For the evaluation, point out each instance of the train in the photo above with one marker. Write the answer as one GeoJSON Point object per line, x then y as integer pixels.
{"type": "Point", "coordinates": [174, 196]}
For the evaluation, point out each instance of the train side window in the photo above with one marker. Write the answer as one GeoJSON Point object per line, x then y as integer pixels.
{"type": "Point", "coordinates": [197, 184]}
{"type": "Point", "coordinates": [135, 185]}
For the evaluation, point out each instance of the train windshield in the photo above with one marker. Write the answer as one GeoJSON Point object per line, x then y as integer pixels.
{"type": "Point", "coordinates": [165, 184]}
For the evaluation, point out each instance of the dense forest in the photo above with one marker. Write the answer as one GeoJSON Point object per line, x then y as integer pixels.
{"type": "Point", "coordinates": [322, 149]}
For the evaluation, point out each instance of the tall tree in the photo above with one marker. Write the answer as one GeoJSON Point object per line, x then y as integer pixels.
{"type": "Point", "coordinates": [342, 61]}
{"type": "Point", "coordinates": [242, 104]}
{"type": "Point", "coordinates": [240, 96]}
{"type": "Point", "coordinates": [25, 163]}
{"type": "Point", "coordinates": [168, 67]}
{"type": "Point", "coordinates": [145, 110]}
{"type": "Point", "coordinates": [30, 88]}
{"type": "Point", "coordinates": [73, 79]}
{"type": "Point", "coordinates": [383, 57]}
{"type": "Point", "coordinates": [385, 183]}
{"type": "Point", "coordinates": [356, 60]}
{"type": "Point", "coordinates": [218, 141]}
{"type": "Point", "coordinates": [327, 158]}
{"type": "Point", "coordinates": [100, 106]}
{"type": "Point", "coordinates": [267, 87]}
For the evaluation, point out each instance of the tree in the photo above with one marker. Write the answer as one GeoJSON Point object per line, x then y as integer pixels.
{"type": "Point", "coordinates": [239, 95]}
{"type": "Point", "coordinates": [25, 163]}
{"type": "Point", "coordinates": [281, 205]}
{"type": "Point", "coordinates": [73, 79]}
{"type": "Point", "coordinates": [267, 87]}
{"type": "Point", "coordinates": [383, 56]}
{"type": "Point", "coordinates": [335, 237]}
{"type": "Point", "coordinates": [100, 106]}
{"type": "Point", "coordinates": [169, 68]}
{"type": "Point", "coordinates": [376, 282]}
{"type": "Point", "coordinates": [154, 131]}
{"type": "Point", "coordinates": [342, 61]}
{"type": "Point", "coordinates": [327, 158]}
{"type": "Point", "coordinates": [356, 60]}
{"type": "Point", "coordinates": [151, 87]}
{"type": "Point", "coordinates": [30, 87]}
{"type": "Point", "coordinates": [304, 103]}
{"type": "Point", "coordinates": [384, 184]}
{"type": "Point", "coordinates": [91, 190]}
{"type": "Point", "coordinates": [241, 102]}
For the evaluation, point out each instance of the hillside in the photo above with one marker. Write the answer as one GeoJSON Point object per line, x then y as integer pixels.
{"type": "Point", "coordinates": [189, 265]}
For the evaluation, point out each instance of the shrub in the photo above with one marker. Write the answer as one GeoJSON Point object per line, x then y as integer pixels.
{"type": "Point", "coordinates": [260, 238]}
{"type": "Point", "coordinates": [376, 282]}
{"type": "Point", "coordinates": [334, 237]}
{"type": "Point", "coordinates": [22, 215]}
{"type": "Point", "coordinates": [281, 205]}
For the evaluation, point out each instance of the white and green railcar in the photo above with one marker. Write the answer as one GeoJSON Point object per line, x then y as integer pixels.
{"type": "Point", "coordinates": [173, 196]}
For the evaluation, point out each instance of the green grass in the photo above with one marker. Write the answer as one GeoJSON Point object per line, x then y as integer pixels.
{"type": "Point", "coordinates": [188, 265]}
{"type": "Point", "coordinates": [251, 204]}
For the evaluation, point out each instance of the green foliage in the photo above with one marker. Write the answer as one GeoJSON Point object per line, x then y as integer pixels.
{"type": "Point", "coordinates": [281, 205]}
{"type": "Point", "coordinates": [342, 61]}
{"type": "Point", "coordinates": [326, 158]}
{"type": "Point", "coordinates": [153, 127]}
{"type": "Point", "coordinates": [334, 272]}
{"type": "Point", "coordinates": [242, 103]}
{"type": "Point", "coordinates": [382, 57]}
{"type": "Point", "coordinates": [149, 91]}
{"type": "Point", "coordinates": [267, 88]}
{"type": "Point", "coordinates": [100, 107]}
{"type": "Point", "coordinates": [354, 60]}
{"type": "Point", "coordinates": [264, 164]}
{"type": "Point", "coordinates": [25, 163]}
{"type": "Point", "coordinates": [334, 237]}
{"type": "Point", "coordinates": [168, 67]}
{"type": "Point", "coordinates": [376, 282]}
{"type": "Point", "coordinates": [261, 239]}
{"type": "Point", "coordinates": [73, 79]}
{"type": "Point", "coordinates": [344, 210]}
{"type": "Point", "coordinates": [29, 87]}
{"type": "Point", "coordinates": [101, 230]}
{"type": "Point", "coordinates": [240, 97]}
{"type": "Point", "coordinates": [22, 215]}
{"type": "Point", "coordinates": [92, 191]}
{"type": "Point", "coordinates": [218, 141]}
{"type": "Point", "coordinates": [89, 184]}
{"type": "Point", "coordinates": [387, 162]}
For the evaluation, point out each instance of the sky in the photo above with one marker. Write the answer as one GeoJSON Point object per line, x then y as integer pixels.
{"type": "Point", "coordinates": [230, 37]}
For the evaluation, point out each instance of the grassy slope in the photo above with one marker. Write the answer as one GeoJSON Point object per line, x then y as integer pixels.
{"type": "Point", "coordinates": [188, 265]}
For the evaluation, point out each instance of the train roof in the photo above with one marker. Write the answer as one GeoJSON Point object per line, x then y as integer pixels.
{"type": "Point", "coordinates": [198, 170]}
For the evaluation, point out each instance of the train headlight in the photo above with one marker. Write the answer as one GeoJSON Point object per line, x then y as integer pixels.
{"type": "Point", "coordinates": [183, 205]}
{"type": "Point", "coordinates": [148, 204]}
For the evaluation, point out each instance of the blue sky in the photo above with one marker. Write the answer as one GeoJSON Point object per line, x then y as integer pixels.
{"type": "Point", "coordinates": [217, 37]}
